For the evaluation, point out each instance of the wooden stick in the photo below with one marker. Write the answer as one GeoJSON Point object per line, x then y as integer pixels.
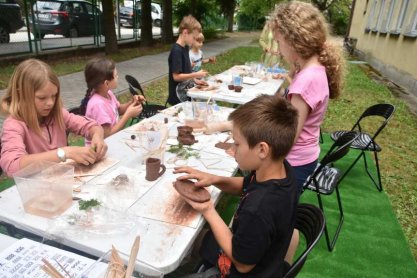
{"type": "Point", "coordinates": [52, 268]}
{"type": "Point", "coordinates": [48, 271]}
{"type": "Point", "coordinates": [62, 267]}
{"type": "Point", "coordinates": [132, 258]}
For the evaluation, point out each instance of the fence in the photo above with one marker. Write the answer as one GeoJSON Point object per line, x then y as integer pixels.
{"type": "Point", "coordinates": [51, 25]}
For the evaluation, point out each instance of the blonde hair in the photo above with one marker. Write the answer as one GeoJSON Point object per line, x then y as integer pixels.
{"type": "Point", "coordinates": [200, 37]}
{"type": "Point", "coordinates": [19, 102]}
{"type": "Point", "coordinates": [189, 23]}
{"type": "Point", "coordinates": [305, 29]}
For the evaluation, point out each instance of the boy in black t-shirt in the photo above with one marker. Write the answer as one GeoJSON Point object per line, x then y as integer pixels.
{"type": "Point", "coordinates": [263, 131]}
{"type": "Point", "coordinates": [179, 59]}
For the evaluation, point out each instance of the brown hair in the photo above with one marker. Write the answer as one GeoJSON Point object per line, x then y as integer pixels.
{"type": "Point", "coordinates": [28, 77]}
{"type": "Point", "coordinates": [269, 119]}
{"type": "Point", "coordinates": [189, 23]}
{"type": "Point", "coordinates": [200, 37]}
{"type": "Point", "coordinates": [305, 29]}
{"type": "Point", "coordinates": [97, 70]}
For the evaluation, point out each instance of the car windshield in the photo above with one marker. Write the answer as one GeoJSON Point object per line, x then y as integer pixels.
{"type": "Point", "coordinates": [46, 5]}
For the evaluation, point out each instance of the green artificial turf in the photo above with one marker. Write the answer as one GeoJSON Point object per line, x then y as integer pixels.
{"type": "Point", "coordinates": [371, 242]}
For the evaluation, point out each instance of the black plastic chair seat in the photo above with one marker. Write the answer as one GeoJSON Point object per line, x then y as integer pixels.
{"type": "Point", "coordinates": [326, 179]}
{"type": "Point", "coordinates": [150, 110]}
{"type": "Point", "coordinates": [361, 143]}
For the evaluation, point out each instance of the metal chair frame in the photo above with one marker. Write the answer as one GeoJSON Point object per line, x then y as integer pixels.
{"type": "Point", "coordinates": [311, 223]}
{"type": "Point", "coordinates": [337, 151]}
{"type": "Point", "coordinates": [383, 110]}
{"type": "Point", "coordinates": [149, 110]}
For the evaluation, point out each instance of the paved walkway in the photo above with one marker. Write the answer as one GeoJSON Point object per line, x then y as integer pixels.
{"type": "Point", "coordinates": [146, 68]}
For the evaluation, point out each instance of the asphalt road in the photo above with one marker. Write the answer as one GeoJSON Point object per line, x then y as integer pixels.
{"type": "Point", "coordinates": [19, 42]}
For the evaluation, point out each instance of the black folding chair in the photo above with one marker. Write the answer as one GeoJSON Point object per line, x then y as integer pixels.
{"type": "Point", "coordinates": [366, 142]}
{"type": "Point", "coordinates": [310, 222]}
{"type": "Point", "coordinates": [149, 110]}
{"type": "Point", "coordinates": [326, 178]}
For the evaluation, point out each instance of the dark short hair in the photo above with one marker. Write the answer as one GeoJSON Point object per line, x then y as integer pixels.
{"type": "Point", "coordinates": [97, 70]}
{"type": "Point", "coordinates": [269, 119]}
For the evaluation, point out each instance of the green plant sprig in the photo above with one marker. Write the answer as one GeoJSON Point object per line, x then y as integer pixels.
{"type": "Point", "coordinates": [88, 204]}
{"type": "Point", "coordinates": [183, 151]}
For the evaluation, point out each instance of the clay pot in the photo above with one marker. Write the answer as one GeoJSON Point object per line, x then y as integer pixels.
{"type": "Point", "coordinates": [238, 89]}
{"type": "Point", "coordinates": [154, 169]}
{"type": "Point", "coordinates": [184, 130]}
{"type": "Point", "coordinates": [186, 139]}
{"type": "Point", "coordinates": [231, 87]}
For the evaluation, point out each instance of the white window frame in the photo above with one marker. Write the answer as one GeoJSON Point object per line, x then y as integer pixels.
{"type": "Point", "coordinates": [379, 17]}
{"type": "Point", "coordinates": [401, 16]}
{"type": "Point", "coordinates": [371, 14]}
{"type": "Point", "coordinates": [389, 16]}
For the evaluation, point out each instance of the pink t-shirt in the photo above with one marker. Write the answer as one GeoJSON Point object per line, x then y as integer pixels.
{"type": "Point", "coordinates": [311, 84]}
{"type": "Point", "coordinates": [103, 110]}
{"type": "Point", "coordinates": [18, 139]}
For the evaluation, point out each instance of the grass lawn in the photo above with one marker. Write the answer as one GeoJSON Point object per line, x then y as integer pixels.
{"type": "Point", "coordinates": [371, 243]}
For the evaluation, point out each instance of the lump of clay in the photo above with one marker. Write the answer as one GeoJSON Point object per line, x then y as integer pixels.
{"type": "Point", "coordinates": [187, 189]}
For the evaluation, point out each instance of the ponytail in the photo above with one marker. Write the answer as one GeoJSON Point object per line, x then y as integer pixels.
{"type": "Point", "coordinates": [332, 59]}
{"type": "Point", "coordinates": [84, 101]}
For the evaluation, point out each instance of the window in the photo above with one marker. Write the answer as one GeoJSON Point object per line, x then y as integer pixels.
{"type": "Point", "coordinates": [387, 25]}
{"type": "Point", "coordinates": [401, 17]}
{"type": "Point", "coordinates": [371, 15]}
{"type": "Point", "coordinates": [379, 17]}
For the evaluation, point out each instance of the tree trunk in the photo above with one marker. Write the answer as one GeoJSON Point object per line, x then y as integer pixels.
{"type": "Point", "coordinates": [230, 16]}
{"type": "Point", "coordinates": [109, 27]}
{"type": "Point", "coordinates": [146, 23]}
{"type": "Point", "coordinates": [167, 34]}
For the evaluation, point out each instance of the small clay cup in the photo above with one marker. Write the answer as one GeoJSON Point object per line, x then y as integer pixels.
{"type": "Point", "coordinates": [238, 89]}
{"type": "Point", "coordinates": [186, 139]}
{"type": "Point", "coordinates": [231, 87]}
{"type": "Point", "coordinates": [184, 130]}
{"type": "Point", "coordinates": [154, 169]}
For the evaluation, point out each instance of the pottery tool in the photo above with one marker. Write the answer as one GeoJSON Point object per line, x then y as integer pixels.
{"type": "Point", "coordinates": [50, 269]}
{"type": "Point", "coordinates": [63, 268]}
{"type": "Point", "coordinates": [132, 257]}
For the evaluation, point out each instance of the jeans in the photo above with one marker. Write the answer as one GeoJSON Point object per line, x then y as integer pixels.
{"type": "Point", "coordinates": [302, 172]}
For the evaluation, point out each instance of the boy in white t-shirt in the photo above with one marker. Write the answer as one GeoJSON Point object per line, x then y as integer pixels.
{"type": "Point", "coordinates": [196, 55]}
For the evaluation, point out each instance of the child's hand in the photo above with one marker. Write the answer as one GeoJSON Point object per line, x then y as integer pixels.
{"type": "Point", "coordinates": [98, 146]}
{"type": "Point", "coordinates": [212, 59]}
{"type": "Point", "coordinates": [138, 99]}
{"type": "Point", "coordinates": [200, 82]}
{"type": "Point", "coordinates": [81, 155]}
{"type": "Point", "coordinates": [134, 110]}
{"type": "Point", "coordinates": [200, 207]}
{"type": "Point", "coordinates": [201, 74]}
{"type": "Point", "coordinates": [203, 179]}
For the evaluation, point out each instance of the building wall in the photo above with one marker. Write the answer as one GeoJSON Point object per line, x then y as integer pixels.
{"type": "Point", "coordinates": [386, 31]}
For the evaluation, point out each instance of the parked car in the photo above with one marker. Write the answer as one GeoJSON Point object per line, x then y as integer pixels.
{"type": "Point", "coordinates": [127, 17]}
{"type": "Point", "coordinates": [10, 19]}
{"type": "Point", "coordinates": [70, 18]}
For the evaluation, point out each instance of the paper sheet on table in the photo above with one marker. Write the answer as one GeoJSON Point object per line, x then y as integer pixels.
{"type": "Point", "coordinates": [163, 203]}
{"type": "Point", "coordinates": [95, 169]}
{"type": "Point", "coordinates": [23, 259]}
{"type": "Point", "coordinates": [120, 188]}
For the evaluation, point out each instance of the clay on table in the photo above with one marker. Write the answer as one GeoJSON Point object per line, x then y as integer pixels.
{"type": "Point", "coordinates": [223, 145]}
{"type": "Point", "coordinates": [187, 189]}
{"type": "Point", "coordinates": [187, 139]}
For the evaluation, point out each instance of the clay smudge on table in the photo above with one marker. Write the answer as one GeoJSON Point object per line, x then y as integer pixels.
{"type": "Point", "coordinates": [178, 211]}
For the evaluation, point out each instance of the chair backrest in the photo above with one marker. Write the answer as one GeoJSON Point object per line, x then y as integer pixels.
{"type": "Point", "coordinates": [339, 148]}
{"type": "Point", "coordinates": [384, 110]}
{"type": "Point", "coordinates": [134, 85]}
{"type": "Point", "coordinates": [310, 222]}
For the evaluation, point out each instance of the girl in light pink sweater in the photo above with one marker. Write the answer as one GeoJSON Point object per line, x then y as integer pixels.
{"type": "Point", "coordinates": [36, 126]}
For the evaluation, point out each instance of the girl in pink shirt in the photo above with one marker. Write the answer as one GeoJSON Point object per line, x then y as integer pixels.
{"type": "Point", "coordinates": [101, 77]}
{"type": "Point", "coordinates": [36, 126]}
{"type": "Point", "coordinates": [301, 32]}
